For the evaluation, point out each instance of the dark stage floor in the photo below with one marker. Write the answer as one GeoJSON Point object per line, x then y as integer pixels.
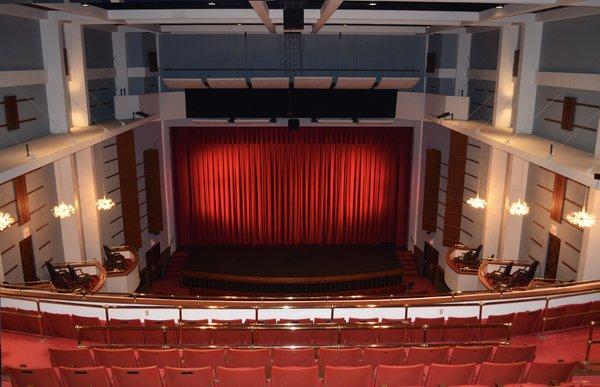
{"type": "Point", "coordinates": [292, 261]}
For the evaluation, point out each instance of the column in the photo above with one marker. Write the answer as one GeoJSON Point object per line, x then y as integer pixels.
{"type": "Point", "coordinates": [509, 36]}
{"type": "Point", "coordinates": [78, 90]}
{"type": "Point", "coordinates": [66, 189]}
{"type": "Point", "coordinates": [529, 62]}
{"type": "Point", "coordinates": [463, 53]}
{"type": "Point", "coordinates": [159, 77]}
{"type": "Point", "coordinates": [120, 55]}
{"type": "Point", "coordinates": [416, 207]}
{"type": "Point", "coordinates": [589, 269]}
{"type": "Point", "coordinates": [512, 225]}
{"type": "Point", "coordinates": [495, 189]}
{"type": "Point", "coordinates": [167, 175]}
{"type": "Point", "coordinates": [597, 148]}
{"type": "Point", "coordinates": [56, 93]}
{"type": "Point", "coordinates": [90, 224]}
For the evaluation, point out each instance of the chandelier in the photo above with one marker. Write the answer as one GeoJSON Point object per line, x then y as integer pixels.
{"type": "Point", "coordinates": [519, 208]}
{"type": "Point", "coordinates": [105, 203]}
{"type": "Point", "coordinates": [63, 210]}
{"type": "Point", "coordinates": [6, 220]}
{"type": "Point", "coordinates": [581, 218]}
{"type": "Point", "coordinates": [477, 202]}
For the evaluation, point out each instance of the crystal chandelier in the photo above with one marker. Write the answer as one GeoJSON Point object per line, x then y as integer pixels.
{"type": "Point", "coordinates": [63, 210]}
{"type": "Point", "coordinates": [519, 208]}
{"type": "Point", "coordinates": [477, 202]}
{"type": "Point", "coordinates": [105, 203]}
{"type": "Point", "coordinates": [581, 218]}
{"type": "Point", "coordinates": [6, 220]}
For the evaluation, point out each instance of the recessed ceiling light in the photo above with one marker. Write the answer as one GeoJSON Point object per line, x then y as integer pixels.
{"type": "Point", "coordinates": [372, 3]}
{"type": "Point", "coordinates": [239, 24]}
{"type": "Point", "coordinates": [345, 25]}
{"type": "Point", "coordinates": [212, 3]}
{"type": "Point", "coordinates": [85, 5]}
{"type": "Point", "coordinates": [427, 26]}
{"type": "Point", "coordinates": [499, 6]}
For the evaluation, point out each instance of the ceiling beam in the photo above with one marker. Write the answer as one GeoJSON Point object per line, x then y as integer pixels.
{"type": "Point", "coordinates": [262, 10]}
{"type": "Point", "coordinates": [328, 8]}
{"type": "Point", "coordinates": [22, 11]}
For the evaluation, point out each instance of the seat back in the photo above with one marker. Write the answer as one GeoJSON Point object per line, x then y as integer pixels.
{"type": "Point", "coordinates": [433, 335]}
{"type": "Point", "coordinates": [550, 373]}
{"type": "Point", "coordinates": [156, 336]}
{"type": "Point", "coordinates": [499, 374]}
{"type": "Point", "coordinates": [507, 269]}
{"type": "Point", "coordinates": [337, 357]}
{"type": "Point", "coordinates": [387, 356]}
{"type": "Point", "coordinates": [126, 336]}
{"type": "Point", "coordinates": [159, 357]}
{"type": "Point", "coordinates": [194, 336]}
{"type": "Point", "coordinates": [296, 337]}
{"type": "Point", "coordinates": [524, 322]}
{"type": "Point", "coordinates": [10, 321]}
{"type": "Point", "coordinates": [247, 377]}
{"type": "Point", "coordinates": [265, 336]}
{"type": "Point", "coordinates": [95, 336]}
{"type": "Point", "coordinates": [450, 375]}
{"type": "Point", "coordinates": [33, 377]}
{"type": "Point", "coordinates": [60, 325]}
{"type": "Point", "coordinates": [249, 358]}
{"type": "Point", "coordinates": [466, 355]}
{"type": "Point", "coordinates": [514, 353]}
{"type": "Point", "coordinates": [115, 357]}
{"type": "Point", "coordinates": [394, 336]}
{"type": "Point", "coordinates": [357, 336]}
{"type": "Point", "coordinates": [189, 377]}
{"type": "Point", "coordinates": [498, 332]}
{"type": "Point", "coordinates": [72, 357]}
{"type": "Point", "coordinates": [397, 376]}
{"type": "Point", "coordinates": [348, 376]}
{"type": "Point", "coordinates": [229, 337]}
{"type": "Point", "coordinates": [199, 358]}
{"type": "Point", "coordinates": [574, 315]}
{"type": "Point", "coordinates": [298, 357]}
{"type": "Point", "coordinates": [458, 335]}
{"type": "Point", "coordinates": [136, 377]}
{"type": "Point", "coordinates": [427, 355]}
{"type": "Point", "coordinates": [295, 376]}
{"type": "Point", "coordinates": [327, 336]}
{"type": "Point", "coordinates": [85, 376]}
{"type": "Point", "coordinates": [553, 317]}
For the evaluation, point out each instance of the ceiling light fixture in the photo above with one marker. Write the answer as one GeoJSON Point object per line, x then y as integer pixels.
{"type": "Point", "coordinates": [85, 5]}
{"type": "Point", "coordinates": [427, 26]}
{"type": "Point", "coordinates": [105, 203]}
{"type": "Point", "coordinates": [6, 220]}
{"type": "Point", "coordinates": [478, 202]}
{"type": "Point", "coordinates": [372, 3]}
{"type": "Point", "coordinates": [62, 210]}
{"type": "Point", "coordinates": [499, 6]}
{"type": "Point", "coordinates": [582, 218]}
{"type": "Point", "coordinates": [212, 3]}
{"type": "Point", "coordinates": [520, 207]}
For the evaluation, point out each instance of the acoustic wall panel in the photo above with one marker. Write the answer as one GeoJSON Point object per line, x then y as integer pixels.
{"type": "Point", "coordinates": [568, 113]}
{"type": "Point", "coordinates": [22, 200]}
{"type": "Point", "coordinates": [153, 192]}
{"type": "Point", "coordinates": [558, 197]}
{"type": "Point", "coordinates": [12, 112]}
{"type": "Point", "coordinates": [455, 188]}
{"type": "Point", "coordinates": [129, 189]}
{"type": "Point", "coordinates": [433, 159]}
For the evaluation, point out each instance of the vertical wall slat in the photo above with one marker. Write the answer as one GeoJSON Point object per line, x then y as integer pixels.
{"type": "Point", "coordinates": [129, 189]}
{"type": "Point", "coordinates": [153, 191]}
{"type": "Point", "coordinates": [433, 160]}
{"type": "Point", "coordinates": [455, 188]}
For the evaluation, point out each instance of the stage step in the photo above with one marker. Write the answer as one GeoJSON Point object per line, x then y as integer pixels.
{"type": "Point", "coordinates": [408, 264]}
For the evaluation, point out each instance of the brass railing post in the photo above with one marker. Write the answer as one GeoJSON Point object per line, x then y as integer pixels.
{"type": "Point", "coordinates": [78, 336]}
{"type": "Point", "coordinates": [39, 317]}
{"type": "Point", "coordinates": [164, 332]}
{"type": "Point", "coordinates": [425, 328]}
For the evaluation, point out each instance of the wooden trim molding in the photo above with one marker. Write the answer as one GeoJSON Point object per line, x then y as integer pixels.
{"type": "Point", "coordinates": [455, 188]}
{"type": "Point", "coordinates": [558, 197]}
{"type": "Point", "coordinates": [22, 199]}
{"type": "Point", "coordinates": [433, 159]}
{"type": "Point", "coordinates": [129, 190]}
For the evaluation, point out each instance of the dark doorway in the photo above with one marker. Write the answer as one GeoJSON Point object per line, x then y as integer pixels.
{"type": "Point", "coordinates": [28, 260]}
{"type": "Point", "coordinates": [552, 256]}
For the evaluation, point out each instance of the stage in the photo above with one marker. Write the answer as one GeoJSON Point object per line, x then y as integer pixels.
{"type": "Point", "coordinates": [292, 269]}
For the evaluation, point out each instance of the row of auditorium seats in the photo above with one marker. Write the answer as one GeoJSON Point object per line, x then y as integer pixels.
{"type": "Point", "coordinates": [488, 374]}
{"type": "Point", "coordinates": [285, 357]}
{"type": "Point", "coordinates": [63, 325]}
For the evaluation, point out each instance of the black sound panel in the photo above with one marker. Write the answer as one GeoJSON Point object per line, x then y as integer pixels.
{"type": "Point", "coordinates": [251, 103]}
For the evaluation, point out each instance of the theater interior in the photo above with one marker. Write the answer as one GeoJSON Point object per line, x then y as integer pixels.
{"type": "Point", "coordinates": [299, 193]}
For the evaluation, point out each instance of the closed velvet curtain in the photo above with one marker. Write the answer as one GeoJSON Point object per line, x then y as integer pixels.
{"type": "Point", "coordinates": [275, 186]}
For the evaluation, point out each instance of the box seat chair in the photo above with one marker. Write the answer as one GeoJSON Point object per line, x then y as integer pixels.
{"type": "Point", "coordinates": [266, 336]}
{"type": "Point", "coordinates": [339, 357]}
{"type": "Point", "coordinates": [327, 337]}
{"type": "Point", "coordinates": [230, 337]}
{"type": "Point", "coordinates": [137, 377]}
{"type": "Point", "coordinates": [85, 376]}
{"type": "Point", "coordinates": [555, 313]}
{"type": "Point", "coordinates": [574, 315]}
{"type": "Point", "coordinates": [524, 322]}
{"type": "Point", "coordinates": [394, 336]}
{"type": "Point", "coordinates": [71, 357]}
{"type": "Point", "coordinates": [250, 358]}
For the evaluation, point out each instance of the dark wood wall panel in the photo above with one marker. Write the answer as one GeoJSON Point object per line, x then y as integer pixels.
{"type": "Point", "coordinates": [129, 190]}
{"type": "Point", "coordinates": [11, 109]}
{"type": "Point", "coordinates": [455, 188]}
{"type": "Point", "coordinates": [568, 113]}
{"type": "Point", "coordinates": [153, 191]}
{"type": "Point", "coordinates": [22, 200]}
{"type": "Point", "coordinates": [430, 65]}
{"type": "Point", "coordinates": [515, 70]}
{"type": "Point", "coordinates": [558, 197]}
{"type": "Point", "coordinates": [433, 160]}
{"type": "Point", "coordinates": [152, 61]}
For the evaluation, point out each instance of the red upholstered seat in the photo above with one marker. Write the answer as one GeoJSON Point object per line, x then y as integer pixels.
{"type": "Point", "coordinates": [33, 377]}
{"type": "Point", "coordinates": [327, 337]}
{"type": "Point", "coordinates": [9, 321]}
{"type": "Point", "coordinates": [466, 355]}
{"type": "Point", "coordinates": [348, 357]}
{"type": "Point", "coordinates": [122, 357]}
{"type": "Point", "coordinates": [574, 315]}
{"type": "Point", "coordinates": [137, 377]}
{"type": "Point", "coordinates": [159, 357]}
{"type": "Point", "coordinates": [394, 336]}
{"type": "Point", "coordinates": [524, 322]}
{"type": "Point", "coordinates": [296, 337]}
{"type": "Point", "coordinates": [231, 337]}
{"type": "Point", "coordinates": [360, 336]}
{"type": "Point", "coordinates": [427, 355]}
{"type": "Point", "coordinates": [199, 358]}
{"type": "Point", "coordinates": [72, 357]}
{"type": "Point", "coordinates": [450, 375]}
{"type": "Point", "coordinates": [300, 357]}
{"type": "Point", "coordinates": [433, 335]}
{"type": "Point", "coordinates": [458, 335]}
{"type": "Point", "coordinates": [266, 336]}
{"type": "Point", "coordinates": [348, 376]}
{"type": "Point", "coordinates": [387, 356]}
{"type": "Point", "coordinates": [85, 376]}
{"type": "Point", "coordinates": [189, 377]}
{"type": "Point", "coordinates": [397, 376]}
{"type": "Point", "coordinates": [514, 353]}
{"type": "Point", "coordinates": [237, 377]}
{"type": "Point", "coordinates": [249, 358]}
{"type": "Point", "coordinates": [295, 376]}
{"type": "Point", "coordinates": [94, 336]}
{"type": "Point", "coordinates": [553, 317]}
{"type": "Point", "coordinates": [492, 374]}
{"type": "Point", "coordinates": [550, 373]}
{"type": "Point", "coordinates": [155, 337]}
{"type": "Point", "coordinates": [126, 336]}
{"type": "Point", "coordinates": [192, 336]}
{"type": "Point", "coordinates": [499, 332]}
{"type": "Point", "coordinates": [594, 312]}
{"type": "Point", "coordinates": [60, 325]}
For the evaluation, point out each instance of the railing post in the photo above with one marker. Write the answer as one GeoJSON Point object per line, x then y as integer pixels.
{"type": "Point", "coordinates": [509, 335]}
{"type": "Point", "coordinates": [39, 316]}
{"type": "Point", "coordinates": [406, 311]}
{"type": "Point", "coordinates": [589, 342]}
{"type": "Point", "coordinates": [425, 328]}
{"type": "Point", "coordinates": [252, 333]}
{"type": "Point", "coordinates": [180, 311]}
{"type": "Point", "coordinates": [339, 336]}
{"type": "Point", "coordinates": [106, 313]}
{"type": "Point", "coordinates": [78, 336]}
{"type": "Point", "coordinates": [164, 332]}
{"type": "Point", "coordinates": [480, 315]}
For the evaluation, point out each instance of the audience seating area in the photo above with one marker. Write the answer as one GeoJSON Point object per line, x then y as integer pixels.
{"type": "Point", "coordinates": [302, 367]}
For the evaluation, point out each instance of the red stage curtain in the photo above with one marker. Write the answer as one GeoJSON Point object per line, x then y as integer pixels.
{"type": "Point", "coordinates": [275, 186]}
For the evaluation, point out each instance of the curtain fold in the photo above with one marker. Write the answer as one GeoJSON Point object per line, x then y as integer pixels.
{"type": "Point", "coordinates": [275, 186]}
